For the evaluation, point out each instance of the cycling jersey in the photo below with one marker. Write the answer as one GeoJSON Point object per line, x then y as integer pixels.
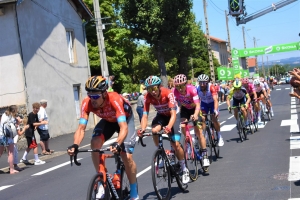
{"type": "Point", "coordinates": [266, 86]}
{"type": "Point", "coordinates": [260, 88]}
{"type": "Point", "coordinates": [238, 94]}
{"type": "Point", "coordinates": [116, 109]}
{"type": "Point", "coordinates": [207, 97]}
{"type": "Point", "coordinates": [189, 99]}
{"type": "Point", "coordinates": [250, 89]}
{"type": "Point", "coordinates": [164, 105]}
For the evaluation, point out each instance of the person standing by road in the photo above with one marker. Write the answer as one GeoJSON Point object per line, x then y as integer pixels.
{"type": "Point", "coordinates": [43, 129]}
{"type": "Point", "coordinates": [140, 104]}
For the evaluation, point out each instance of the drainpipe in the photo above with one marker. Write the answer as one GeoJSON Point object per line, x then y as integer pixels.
{"type": "Point", "coordinates": [22, 60]}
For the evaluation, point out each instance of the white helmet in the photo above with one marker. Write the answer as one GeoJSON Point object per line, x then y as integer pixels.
{"type": "Point", "coordinates": [256, 82]}
{"type": "Point", "coordinates": [203, 77]}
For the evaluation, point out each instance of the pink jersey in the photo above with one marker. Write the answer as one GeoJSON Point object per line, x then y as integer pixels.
{"type": "Point", "coordinates": [189, 99]}
{"type": "Point", "coordinates": [260, 87]}
{"type": "Point", "coordinates": [250, 89]}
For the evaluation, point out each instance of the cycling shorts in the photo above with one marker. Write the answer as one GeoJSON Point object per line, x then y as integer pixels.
{"type": "Point", "coordinates": [238, 102]}
{"type": "Point", "coordinates": [106, 129]}
{"type": "Point", "coordinates": [259, 93]}
{"type": "Point", "coordinates": [208, 107]}
{"type": "Point", "coordinates": [163, 121]}
{"type": "Point", "coordinates": [252, 97]}
{"type": "Point", "coordinates": [186, 113]}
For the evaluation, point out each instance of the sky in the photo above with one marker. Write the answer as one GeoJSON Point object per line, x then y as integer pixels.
{"type": "Point", "coordinates": [279, 27]}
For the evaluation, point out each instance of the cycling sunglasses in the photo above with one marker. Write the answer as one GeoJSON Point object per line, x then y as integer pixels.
{"type": "Point", "coordinates": [153, 88]}
{"type": "Point", "coordinates": [202, 82]}
{"type": "Point", "coordinates": [94, 96]}
{"type": "Point", "coordinates": [180, 87]}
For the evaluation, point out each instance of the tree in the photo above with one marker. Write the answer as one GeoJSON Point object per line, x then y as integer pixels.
{"type": "Point", "coordinates": [157, 23]}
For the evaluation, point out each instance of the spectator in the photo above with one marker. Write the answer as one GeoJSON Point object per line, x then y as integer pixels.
{"type": "Point", "coordinates": [170, 84]}
{"type": "Point", "coordinates": [43, 129]}
{"type": "Point", "coordinates": [126, 96]}
{"type": "Point", "coordinates": [8, 119]}
{"type": "Point", "coordinates": [20, 131]}
{"type": "Point", "coordinates": [142, 86]}
{"type": "Point", "coordinates": [33, 122]}
{"type": "Point", "coordinates": [295, 83]}
{"type": "Point", "coordinates": [140, 104]}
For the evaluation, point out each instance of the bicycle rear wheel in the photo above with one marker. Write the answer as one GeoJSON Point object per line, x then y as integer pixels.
{"type": "Point", "coordinates": [240, 129]}
{"type": "Point", "coordinates": [191, 160]}
{"type": "Point", "coordinates": [178, 175]}
{"type": "Point", "coordinates": [124, 191]}
{"type": "Point", "coordinates": [161, 176]}
{"type": "Point", "coordinates": [97, 189]}
{"type": "Point", "coordinates": [214, 143]}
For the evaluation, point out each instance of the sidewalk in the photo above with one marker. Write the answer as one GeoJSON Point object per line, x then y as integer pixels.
{"type": "Point", "coordinates": [61, 143]}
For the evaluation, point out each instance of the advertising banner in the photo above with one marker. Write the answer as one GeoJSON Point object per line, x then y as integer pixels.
{"type": "Point", "coordinates": [222, 73]}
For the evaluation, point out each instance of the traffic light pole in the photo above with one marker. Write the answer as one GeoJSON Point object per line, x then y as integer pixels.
{"type": "Point", "coordinates": [211, 64]}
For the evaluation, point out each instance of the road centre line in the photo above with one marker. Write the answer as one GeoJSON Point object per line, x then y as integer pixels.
{"type": "Point", "coordinates": [278, 89]}
{"type": "Point", "coordinates": [293, 106]}
{"type": "Point", "coordinates": [287, 88]}
{"type": "Point", "coordinates": [222, 122]}
{"type": "Point", "coordinates": [53, 168]}
{"type": "Point", "coordinates": [144, 171]}
{"type": "Point", "coordinates": [231, 117]}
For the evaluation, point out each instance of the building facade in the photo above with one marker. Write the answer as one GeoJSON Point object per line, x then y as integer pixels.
{"type": "Point", "coordinates": [43, 55]}
{"type": "Point", "coordinates": [219, 49]}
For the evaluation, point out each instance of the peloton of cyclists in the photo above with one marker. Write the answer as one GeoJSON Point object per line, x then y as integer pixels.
{"type": "Point", "coordinates": [252, 92]}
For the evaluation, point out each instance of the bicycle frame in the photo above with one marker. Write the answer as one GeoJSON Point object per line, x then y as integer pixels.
{"type": "Point", "coordinates": [102, 167]}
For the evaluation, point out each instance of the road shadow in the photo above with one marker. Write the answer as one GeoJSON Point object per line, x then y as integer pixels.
{"type": "Point", "coordinates": [237, 140]}
{"type": "Point", "coordinates": [297, 183]}
{"type": "Point", "coordinates": [174, 191]}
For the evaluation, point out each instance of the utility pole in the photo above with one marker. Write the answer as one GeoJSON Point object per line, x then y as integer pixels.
{"type": "Point", "coordinates": [255, 56]}
{"type": "Point", "coordinates": [243, 28]}
{"type": "Point", "coordinates": [228, 36]}
{"type": "Point", "coordinates": [100, 37]}
{"type": "Point", "coordinates": [192, 70]}
{"type": "Point", "coordinates": [211, 64]}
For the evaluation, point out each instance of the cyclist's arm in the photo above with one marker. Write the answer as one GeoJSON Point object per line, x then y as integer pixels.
{"type": "Point", "coordinates": [123, 132]}
{"type": "Point", "coordinates": [173, 107]}
{"type": "Point", "coordinates": [254, 95]}
{"type": "Point", "coordinates": [79, 133]}
{"type": "Point", "coordinates": [172, 119]}
{"type": "Point", "coordinates": [248, 99]}
{"type": "Point", "coordinates": [144, 119]}
{"type": "Point", "coordinates": [215, 97]}
{"type": "Point", "coordinates": [229, 97]}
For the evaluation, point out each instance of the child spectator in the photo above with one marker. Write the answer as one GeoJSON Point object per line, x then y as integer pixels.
{"type": "Point", "coordinates": [33, 122]}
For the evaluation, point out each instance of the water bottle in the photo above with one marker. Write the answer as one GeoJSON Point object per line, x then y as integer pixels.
{"type": "Point", "coordinates": [172, 157]}
{"type": "Point", "coordinates": [117, 179]}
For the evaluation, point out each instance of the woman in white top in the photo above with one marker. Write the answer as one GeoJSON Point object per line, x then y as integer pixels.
{"type": "Point", "coordinates": [9, 116]}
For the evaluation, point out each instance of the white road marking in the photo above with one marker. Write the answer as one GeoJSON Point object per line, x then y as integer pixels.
{"type": "Point", "coordinates": [294, 116]}
{"type": "Point", "coordinates": [294, 199]}
{"type": "Point", "coordinates": [222, 122]}
{"type": "Point", "coordinates": [227, 127]}
{"type": "Point", "coordinates": [293, 106]}
{"type": "Point", "coordinates": [294, 128]}
{"type": "Point", "coordinates": [278, 89]}
{"type": "Point", "coordinates": [295, 142]}
{"type": "Point", "coordinates": [287, 88]}
{"type": "Point", "coordinates": [231, 117]}
{"type": "Point", "coordinates": [53, 168]}
{"type": "Point", "coordinates": [4, 187]}
{"type": "Point", "coordinates": [144, 171]}
{"type": "Point", "coordinates": [294, 172]}
{"type": "Point", "coordinates": [261, 125]}
{"type": "Point", "coordinates": [288, 122]}
{"type": "Point", "coordinates": [293, 111]}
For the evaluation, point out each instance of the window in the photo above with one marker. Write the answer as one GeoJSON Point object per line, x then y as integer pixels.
{"type": "Point", "coordinates": [76, 91]}
{"type": "Point", "coordinates": [71, 47]}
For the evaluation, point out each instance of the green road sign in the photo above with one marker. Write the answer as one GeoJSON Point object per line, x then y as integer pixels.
{"type": "Point", "coordinates": [222, 73]}
{"type": "Point", "coordinates": [294, 46]}
{"type": "Point", "coordinates": [230, 74]}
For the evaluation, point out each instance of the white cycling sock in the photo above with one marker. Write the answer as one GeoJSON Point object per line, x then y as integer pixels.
{"type": "Point", "coordinates": [182, 164]}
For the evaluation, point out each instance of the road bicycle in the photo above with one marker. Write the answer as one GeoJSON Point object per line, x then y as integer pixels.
{"type": "Point", "coordinates": [212, 137]}
{"type": "Point", "coordinates": [162, 168]}
{"type": "Point", "coordinates": [240, 124]}
{"type": "Point", "coordinates": [268, 111]}
{"type": "Point", "coordinates": [105, 186]}
{"type": "Point", "coordinates": [255, 116]}
{"type": "Point", "coordinates": [250, 118]}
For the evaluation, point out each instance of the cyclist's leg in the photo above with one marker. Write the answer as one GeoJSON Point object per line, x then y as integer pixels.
{"type": "Point", "coordinates": [99, 138]}
{"type": "Point", "coordinates": [235, 102]}
{"type": "Point", "coordinates": [184, 116]}
{"type": "Point", "coordinates": [128, 148]}
{"type": "Point", "coordinates": [157, 124]}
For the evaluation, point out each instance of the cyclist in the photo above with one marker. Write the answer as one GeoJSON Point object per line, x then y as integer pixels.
{"type": "Point", "coordinates": [116, 116]}
{"type": "Point", "coordinates": [271, 80]}
{"type": "Point", "coordinates": [261, 93]}
{"type": "Point", "coordinates": [187, 97]}
{"type": "Point", "coordinates": [239, 95]}
{"type": "Point", "coordinates": [268, 92]}
{"type": "Point", "coordinates": [251, 91]}
{"type": "Point", "coordinates": [209, 103]}
{"type": "Point", "coordinates": [164, 102]}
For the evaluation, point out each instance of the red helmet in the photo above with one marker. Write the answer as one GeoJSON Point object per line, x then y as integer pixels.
{"type": "Point", "coordinates": [180, 79]}
{"type": "Point", "coordinates": [245, 81]}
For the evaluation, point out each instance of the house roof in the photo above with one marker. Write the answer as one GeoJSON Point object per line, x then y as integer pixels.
{"type": "Point", "coordinates": [80, 5]}
{"type": "Point", "coordinates": [217, 39]}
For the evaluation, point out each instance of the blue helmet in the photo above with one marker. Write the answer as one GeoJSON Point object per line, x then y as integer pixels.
{"type": "Point", "coordinates": [152, 80]}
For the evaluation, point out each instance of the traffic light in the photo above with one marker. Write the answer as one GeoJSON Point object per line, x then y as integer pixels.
{"type": "Point", "coordinates": [236, 7]}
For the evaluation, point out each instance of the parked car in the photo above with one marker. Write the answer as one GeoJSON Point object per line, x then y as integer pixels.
{"type": "Point", "coordinates": [281, 81]}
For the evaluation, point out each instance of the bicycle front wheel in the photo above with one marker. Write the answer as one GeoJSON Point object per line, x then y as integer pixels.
{"type": "Point", "coordinates": [240, 129]}
{"type": "Point", "coordinates": [97, 189]}
{"type": "Point", "coordinates": [191, 160]}
{"type": "Point", "coordinates": [161, 176]}
{"type": "Point", "coordinates": [124, 191]}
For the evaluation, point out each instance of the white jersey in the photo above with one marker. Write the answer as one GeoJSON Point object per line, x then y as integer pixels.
{"type": "Point", "coordinates": [266, 86]}
{"type": "Point", "coordinates": [259, 88]}
{"type": "Point", "coordinates": [208, 96]}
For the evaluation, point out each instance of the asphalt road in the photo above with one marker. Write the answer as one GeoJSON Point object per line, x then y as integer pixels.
{"type": "Point", "coordinates": [263, 167]}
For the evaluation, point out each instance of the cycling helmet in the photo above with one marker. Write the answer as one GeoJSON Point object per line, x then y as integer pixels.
{"type": "Point", "coordinates": [245, 81]}
{"type": "Point", "coordinates": [237, 84]}
{"type": "Point", "coordinates": [96, 84]}
{"type": "Point", "coordinates": [180, 79]}
{"type": "Point", "coordinates": [152, 80]}
{"type": "Point", "coordinates": [203, 77]}
{"type": "Point", "coordinates": [256, 82]}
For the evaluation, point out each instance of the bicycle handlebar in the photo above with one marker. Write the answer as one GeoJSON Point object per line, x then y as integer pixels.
{"type": "Point", "coordinates": [85, 150]}
{"type": "Point", "coordinates": [148, 133]}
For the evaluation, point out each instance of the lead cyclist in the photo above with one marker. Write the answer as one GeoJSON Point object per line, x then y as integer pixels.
{"type": "Point", "coordinates": [268, 92]}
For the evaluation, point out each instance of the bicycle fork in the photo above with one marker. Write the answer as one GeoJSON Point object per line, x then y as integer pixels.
{"type": "Point", "coordinates": [112, 186]}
